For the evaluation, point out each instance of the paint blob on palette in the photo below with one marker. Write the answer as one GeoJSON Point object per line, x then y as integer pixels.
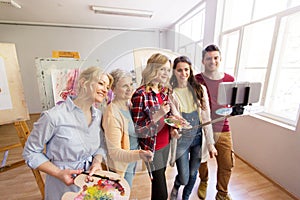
{"type": "Point", "coordinates": [105, 186]}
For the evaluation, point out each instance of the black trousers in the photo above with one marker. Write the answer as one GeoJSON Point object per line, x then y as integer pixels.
{"type": "Point", "coordinates": [159, 190]}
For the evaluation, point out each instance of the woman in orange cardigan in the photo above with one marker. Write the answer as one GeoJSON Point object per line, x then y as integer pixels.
{"type": "Point", "coordinates": [122, 144]}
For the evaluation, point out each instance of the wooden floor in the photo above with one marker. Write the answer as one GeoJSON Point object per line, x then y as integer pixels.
{"type": "Point", "coordinates": [245, 184]}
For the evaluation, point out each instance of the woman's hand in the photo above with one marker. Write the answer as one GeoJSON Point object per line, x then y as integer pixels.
{"type": "Point", "coordinates": [146, 156]}
{"type": "Point", "coordinates": [96, 165]}
{"type": "Point", "coordinates": [163, 110]}
{"type": "Point", "coordinates": [212, 151]}
{"type": "Point", "coordinates": [174, 133]}
{"type": "Point", "coordinates": [67, 175]}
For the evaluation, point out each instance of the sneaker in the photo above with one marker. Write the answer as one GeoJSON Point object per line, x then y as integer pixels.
{"type": "Point", "coordinates": [202, 190]}
{"type": "Point", "coordinates": [220, 197]}
{"type": "Point", "coordinates": [174, 194]}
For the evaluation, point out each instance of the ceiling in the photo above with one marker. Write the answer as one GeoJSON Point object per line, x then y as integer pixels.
{"type": "Point", "coordinates": [79, 13]}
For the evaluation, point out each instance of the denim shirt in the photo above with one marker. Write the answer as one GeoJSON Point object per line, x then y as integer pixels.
{"type": "Point", "coordinates": [70, 143]}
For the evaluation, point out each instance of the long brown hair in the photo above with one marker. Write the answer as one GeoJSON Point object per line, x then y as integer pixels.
{"type": "Point", "coordinates": [193, 85]}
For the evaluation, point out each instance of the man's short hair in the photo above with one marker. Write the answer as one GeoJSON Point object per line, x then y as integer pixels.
{"type": "Point", "coordinates": [209, 48]}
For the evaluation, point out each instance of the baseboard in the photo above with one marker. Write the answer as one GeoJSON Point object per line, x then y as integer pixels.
{"type": "Point", "coordinates": [268, 178]}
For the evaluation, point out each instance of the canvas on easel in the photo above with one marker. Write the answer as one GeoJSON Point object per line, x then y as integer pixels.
{"type": "Point", "coordinates": [12, 102]}
{"type": "Point", "coordinates": [57, 78]}
{"type": "Point", "coordinates": [13, 108]}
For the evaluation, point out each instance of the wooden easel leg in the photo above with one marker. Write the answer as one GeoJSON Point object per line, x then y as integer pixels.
{"type": "Point", "coordinates": [23, 133]}
{"type": "Point", "coordinates": [39, 181]}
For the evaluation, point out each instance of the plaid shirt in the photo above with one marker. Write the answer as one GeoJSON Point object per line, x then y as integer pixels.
{"type": "Point", "coordinates": [144, 105]}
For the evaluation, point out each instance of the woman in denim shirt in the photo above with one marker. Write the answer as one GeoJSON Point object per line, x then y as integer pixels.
{"type": "Point", "coordinates": [72, 135]}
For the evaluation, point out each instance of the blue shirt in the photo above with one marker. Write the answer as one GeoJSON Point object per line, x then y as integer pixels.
{"type": "Point", "coordinates": [70, 143]}
{"type": "Point", "coordinates": [133, 138]}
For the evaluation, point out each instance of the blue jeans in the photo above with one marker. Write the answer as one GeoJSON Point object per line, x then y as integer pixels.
{"type": "Point", "coordinates": [130, 172]}
{"type": "Point", "coordinates": [188, 156]}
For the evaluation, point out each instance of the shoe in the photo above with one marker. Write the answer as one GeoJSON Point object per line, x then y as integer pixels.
{"type": "Point", "coordinates": [202, 190]}
{"type": "Point", "coordinates": [174, 194]}
{"type": "Point", "coordinates": [220, 197]}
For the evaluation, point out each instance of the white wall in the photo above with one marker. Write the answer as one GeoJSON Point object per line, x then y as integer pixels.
{"type": "Point", "coordinates": [39, 41]}
{"type": "Point", "coordinates": [270, 148]}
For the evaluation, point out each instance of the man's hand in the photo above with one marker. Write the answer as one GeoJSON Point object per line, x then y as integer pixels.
{"type": "Point", "coordinates": [212, 151]}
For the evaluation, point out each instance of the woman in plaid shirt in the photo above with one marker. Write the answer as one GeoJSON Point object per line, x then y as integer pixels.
{"type": "Point", "coordinates": [150, 106]}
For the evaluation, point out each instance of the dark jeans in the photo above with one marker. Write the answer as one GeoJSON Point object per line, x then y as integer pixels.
{"type": "Point", "coordinates": [159, 190]}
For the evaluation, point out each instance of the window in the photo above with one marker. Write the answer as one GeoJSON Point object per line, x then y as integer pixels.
{"type": "Point", "coordinates": [268, 7]}
{"type": "Point", "coordinates": [262, 43]}
{"type": "Point", "coordinates": [229, 53]}
{"type": "Point", "coordinates": [284, 98]}
{"type": "Point", "coordinates": [190, 35]}
{"type": "Point", "coordinates": [237, 12]}
{"type": "Point", "coordinates": [255, 50]}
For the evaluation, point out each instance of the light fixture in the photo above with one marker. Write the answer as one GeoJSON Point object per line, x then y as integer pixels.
{"type": "Point", "coordinates": [122, 11]}
{"type": "Point", "coordinates": [11, 3]}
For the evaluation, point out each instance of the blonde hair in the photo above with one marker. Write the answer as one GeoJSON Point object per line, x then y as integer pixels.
{"type": "Point", "coordinates": [90, 75]}
{"type": "Point", "coordinates": [154, 63]}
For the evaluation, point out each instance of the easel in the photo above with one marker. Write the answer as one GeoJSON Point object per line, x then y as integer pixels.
{"type": "Point", "coordinates": [20, 109]}
{"type": "Point", "coordinates": [13, 108]}
{"type": "Point", "coordinates": [23, 133]}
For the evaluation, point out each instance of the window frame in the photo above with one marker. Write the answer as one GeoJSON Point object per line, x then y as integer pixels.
{"type": "Point", "coordinates": [269, 69]}
{"type": "Point", "coordinates": [193, 47]}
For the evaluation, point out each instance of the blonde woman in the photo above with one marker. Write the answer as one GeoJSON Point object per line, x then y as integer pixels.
{"type": "Point", "coordinates": [71, 133]}
{"type": "Point", "coordinates": [121, 139]}
{"type": "Point", "coordinates": [150, 105]}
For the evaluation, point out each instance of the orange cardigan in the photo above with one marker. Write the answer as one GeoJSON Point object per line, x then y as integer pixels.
{"type": "Point", "coordinates": [115, 127]}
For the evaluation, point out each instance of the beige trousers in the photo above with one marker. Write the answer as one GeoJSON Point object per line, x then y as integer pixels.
{"type": "Point", "coordinates": [225, 162]}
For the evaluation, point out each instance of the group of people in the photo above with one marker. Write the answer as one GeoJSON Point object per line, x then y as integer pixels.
{"type": "Point", "coordinates": [79, 137]}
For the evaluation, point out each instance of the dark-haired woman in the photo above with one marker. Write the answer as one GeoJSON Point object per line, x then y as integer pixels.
{"type": "Point", "coordinates": [192, 102]}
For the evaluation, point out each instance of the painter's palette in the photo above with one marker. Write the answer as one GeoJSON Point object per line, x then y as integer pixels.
{"type": "Point", "coordinates": [106, 185]}
{"type": "Point", "coordinates": [177, 123]}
